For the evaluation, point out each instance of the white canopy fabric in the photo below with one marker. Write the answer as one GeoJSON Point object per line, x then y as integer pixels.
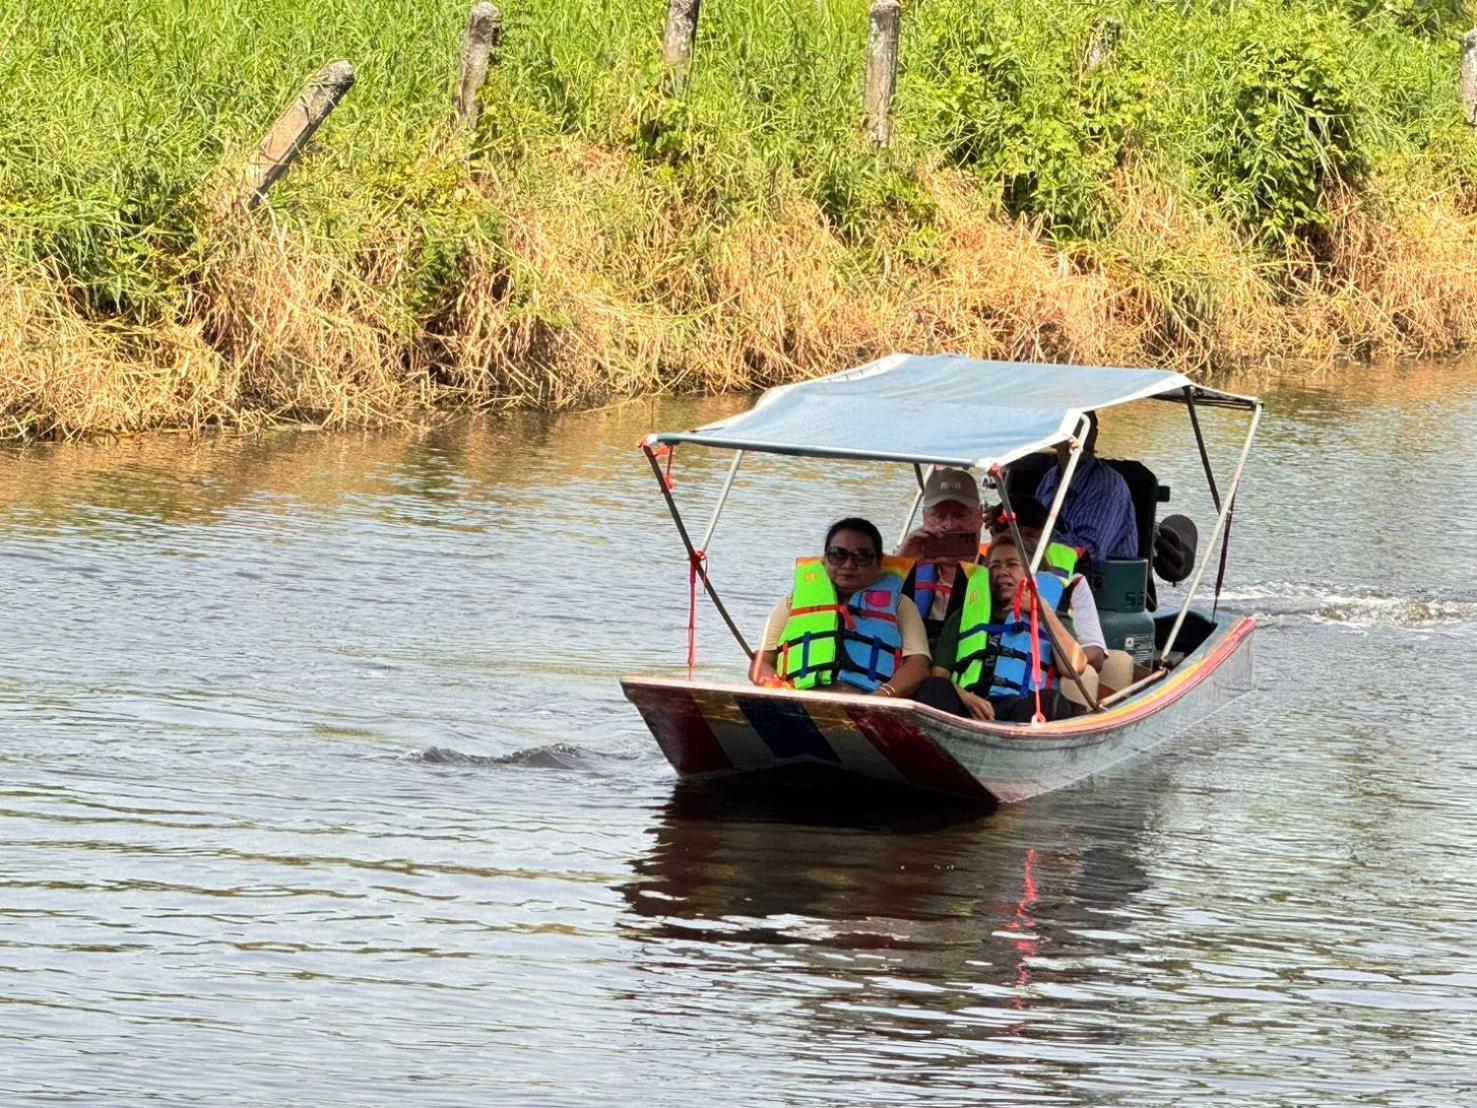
{"type": "Point", "coordinates": [939, 409]}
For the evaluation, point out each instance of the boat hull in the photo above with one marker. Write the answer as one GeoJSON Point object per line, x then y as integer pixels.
{"type": "Point", "coordinates": [711, 731]}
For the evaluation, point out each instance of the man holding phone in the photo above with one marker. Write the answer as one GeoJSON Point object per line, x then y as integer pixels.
{"type": "Point", "coordinates": [952, 523]}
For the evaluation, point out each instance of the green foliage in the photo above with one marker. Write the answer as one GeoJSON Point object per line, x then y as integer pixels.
{"type": "Point", "coordinates": [1000, 90]}
{"type": "Point", "coordinates": [119, 133]}
{"type": "Point", "coordinates": [452, 218]}
{"type": "Point", "coordinates": [1285, 125]}
{"type": "Point", "coordinates": [1431, 18]}
{"type": "Point", "coordinates": [998, 105]}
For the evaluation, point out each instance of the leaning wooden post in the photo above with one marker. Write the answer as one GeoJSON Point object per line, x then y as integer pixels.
{"type": "Point", "coordinates": [882, 40]}
{"type": "Point", "coordinates": [1467, 82]}
{"type": "Point", "coordinates": [678, 39]}
{"type": "Point", "coordinates": [483, 32]}
{"type": "Point", "coordinates": [291, 132]}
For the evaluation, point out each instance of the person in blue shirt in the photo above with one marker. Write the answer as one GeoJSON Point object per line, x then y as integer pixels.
{"type": "Point", "coordinates": [1097, 514]}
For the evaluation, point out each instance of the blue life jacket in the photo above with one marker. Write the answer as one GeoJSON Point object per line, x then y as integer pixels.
{"type": "Point", "coordinates": [1007, 655]}
{"type": "Point", "coordinates": [871, 644]}
{"type": "Point", "coordinates": [926, 585]}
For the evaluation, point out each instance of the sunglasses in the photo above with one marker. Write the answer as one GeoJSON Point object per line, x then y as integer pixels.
{"type": "Point", "coordinates": [839, 556]}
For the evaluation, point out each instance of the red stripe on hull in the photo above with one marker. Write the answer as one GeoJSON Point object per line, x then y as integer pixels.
{"type": "Point", "coordinates": [913, 753]}
{"type": "Point", "coordinates": [682, 731]}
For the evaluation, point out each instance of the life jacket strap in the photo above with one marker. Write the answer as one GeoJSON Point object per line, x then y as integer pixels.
{"type": "Point", "coordinates": [815, 609]}
{"type": "Point", "coordinates": [993, 629]}
{"type": "Point", "coordinates": [878, 649]}
{"type": "Point", "coordinates": [805, 669]}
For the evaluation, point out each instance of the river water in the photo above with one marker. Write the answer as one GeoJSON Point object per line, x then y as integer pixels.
{"type": "Point", "coordinates": [318, 788]}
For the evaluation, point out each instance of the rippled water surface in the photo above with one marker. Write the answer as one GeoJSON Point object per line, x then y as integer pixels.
{"type": "Point", "coordinates": [317, 787]}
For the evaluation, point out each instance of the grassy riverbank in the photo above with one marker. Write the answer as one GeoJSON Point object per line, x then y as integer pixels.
{"type": "Point", "coordinates": [1240, 181]}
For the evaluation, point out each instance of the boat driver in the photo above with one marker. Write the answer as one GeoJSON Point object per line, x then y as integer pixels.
{"type": "Point", "coordinates": [846, 625]}
{"type": "Point", "coordinates": [1097, 514]}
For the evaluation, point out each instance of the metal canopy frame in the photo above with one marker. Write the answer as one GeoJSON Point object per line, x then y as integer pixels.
{"type": "Point", "coordinates": [1191, 395]}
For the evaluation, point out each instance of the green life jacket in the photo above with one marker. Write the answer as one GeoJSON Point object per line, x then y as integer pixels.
{"type": "Point", "coordinates": [857, 643]}
{"type": "Point", "coordinates": [992, 658]}
{"type": "Point", "coordinates": [974, 623]}
{"type": "Point", "coordinates": [1062, 559]}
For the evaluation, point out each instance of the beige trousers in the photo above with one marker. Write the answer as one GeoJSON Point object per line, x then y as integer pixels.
{"type": "Point", "coordinates": [1117, 674]}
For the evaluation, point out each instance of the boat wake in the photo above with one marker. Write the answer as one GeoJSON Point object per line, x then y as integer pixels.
{"type": "Point", "coordinates": [1295, 603]}
{"type": "Point", "coordinates": [553, 756]}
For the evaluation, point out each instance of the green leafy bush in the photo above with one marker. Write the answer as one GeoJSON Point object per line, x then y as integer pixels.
{"type": "Point", "coordinates": [1285, 123]}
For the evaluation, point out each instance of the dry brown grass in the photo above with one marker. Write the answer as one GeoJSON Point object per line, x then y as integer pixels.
{"type": "Point", "coordinates": [1402, 278]}
{"type": "Point", "coordinates": [554, 315]}
{"type": "Point", "coordinates": [309, 336]}
{"type": "Point", "coordinates": [1193, 294]}
{"type": "Point", "coordinates": [1001, 289]}
{"type": "Point", "coordinates": [623, 287]}
{"type": "Point", "coordinates": [579, 307]}
{"type": "Point", "coordinates": [63, 376]}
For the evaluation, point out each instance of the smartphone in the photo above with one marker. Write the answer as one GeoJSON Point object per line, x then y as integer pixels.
{"type": "Point", "coordinates": [963, 545]}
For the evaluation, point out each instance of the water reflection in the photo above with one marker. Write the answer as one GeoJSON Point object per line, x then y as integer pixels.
{"type": "Point", "coordinates": [181, 478]}
{"type": "Point", "coordinates": [726, 863]}
{"type": "Point", "coordinates": [901, 928]}
{"type": "Point", "coordinates": [316, 775]}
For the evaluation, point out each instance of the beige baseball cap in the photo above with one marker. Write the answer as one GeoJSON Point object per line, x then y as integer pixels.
{"type": "Point", "coordinates": [950, 484]}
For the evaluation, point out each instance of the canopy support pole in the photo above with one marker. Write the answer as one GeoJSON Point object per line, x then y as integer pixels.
{"type": "Point", "coordinates": [1020, 545]}
{"type": "Point", "coordinates": [1220, 525]}
{"type": "Point", "coordinates": [917, 502]}
{"type": "Point", "coordinates": [1215, 496]}
{"type": "Point", "coordinates": [692, 551]}
{"type": "Point", "coordinates": [1215, 493]}
{"type": "Point", "coordinates": [738, 458]}
{"type": "Point", "coordinates": [1079, 440]}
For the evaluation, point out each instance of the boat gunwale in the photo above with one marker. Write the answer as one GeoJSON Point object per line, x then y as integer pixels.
{"type": "Point", "coordinates": [1182, 680]}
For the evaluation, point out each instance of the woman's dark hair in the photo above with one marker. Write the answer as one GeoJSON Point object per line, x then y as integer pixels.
{"type": "Point", "coordinates": [861, 526]}
{"type": "Point", "coordinates": [1028, 513]}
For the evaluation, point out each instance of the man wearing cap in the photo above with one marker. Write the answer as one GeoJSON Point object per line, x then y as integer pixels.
{"type": "Point", "coordinates": [952, 522]}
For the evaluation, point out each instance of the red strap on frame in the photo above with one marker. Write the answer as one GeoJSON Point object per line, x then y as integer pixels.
{"type": "Point", "coordinates": [1036, 675]}
{"type": "Point", "coordinates": [697, 570]}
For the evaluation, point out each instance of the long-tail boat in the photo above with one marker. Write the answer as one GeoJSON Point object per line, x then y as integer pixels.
{"type": "Point", "coordinates": [995, 419]}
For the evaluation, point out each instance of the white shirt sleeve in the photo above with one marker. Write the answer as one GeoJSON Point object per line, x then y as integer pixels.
{"type": "Point", "coordinates": [1087, 629]}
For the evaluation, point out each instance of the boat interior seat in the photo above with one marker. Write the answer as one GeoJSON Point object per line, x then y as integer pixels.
{"type": "Point", "coordinates": [1147, 493]}
{"type": "Point", "coordinates": [1198, 627]}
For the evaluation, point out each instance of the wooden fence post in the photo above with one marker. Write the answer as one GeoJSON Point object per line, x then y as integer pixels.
{"type": "Point", "coordinates": [483, 33]}
{"type": "Point", "coordinates": [1467, 81]}
{"type": "Point", "coordinates": [882, 48]}
{"type": "Point", "coordinates": [1100, 47]}
{"type": "Point", "coordinates": [291, 132]}
{"type": "Point", "coordinates": [678, 38]}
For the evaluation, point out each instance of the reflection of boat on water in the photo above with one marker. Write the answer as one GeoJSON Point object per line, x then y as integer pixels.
{"type": "Point", "coordinates": [736, 862]}
{"type": "Point", "coordinates": [784, 866]}
{"type": "Point", "coordinates": [885, 923]}
{"type": "Point", "coordinates": [996, 419]}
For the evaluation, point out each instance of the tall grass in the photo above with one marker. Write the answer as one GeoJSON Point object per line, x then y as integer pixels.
{"type": "Point", "coordinates": [1245, 179]}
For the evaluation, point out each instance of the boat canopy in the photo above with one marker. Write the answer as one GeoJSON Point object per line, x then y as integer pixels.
{"type": "Point", "coordinates": [940, 409]}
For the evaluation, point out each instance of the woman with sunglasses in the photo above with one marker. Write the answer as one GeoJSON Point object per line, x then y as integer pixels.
{"type": "Point", "coordinates": [846, 625]}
